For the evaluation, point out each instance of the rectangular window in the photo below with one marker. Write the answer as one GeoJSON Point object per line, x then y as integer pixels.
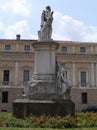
{"type": "Point", "coordinates": [82, 50]}
{"type": "Point", "coordinates": [5, 97]}
{"type": "Point", "coordinates": [64, 49]}
{"type": "Point", "coordinates": [27, 48]}
{"type": "Point", "coordinates": [7, 47]}
{"type": "Point", "coordinates": [6, 77]}
{"type": "Point", "coordinates": [83, 79]}
{"type": "Point", "coordinates": [26, 75]}
{"type": "Point", "coordinates": [84, 98]}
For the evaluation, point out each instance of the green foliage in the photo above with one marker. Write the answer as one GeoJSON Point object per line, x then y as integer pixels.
{"type": "Point", "coordinates": [15, 123]}
{"type": "Point", "coordinates": [47, 129]}
{"type": "Point", "coordinates": [61, 122]}
{"type": "Point", "coordinates": [3, 117]}
{"type": "Point", "coordinates": [80, 120]}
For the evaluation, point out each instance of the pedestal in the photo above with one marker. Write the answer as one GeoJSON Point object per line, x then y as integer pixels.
{"type": "Point", "coordinates": [44, 85]}
{"type": "Point", "coordinates": [23, 108]}
{"type": "Point", "coordinates": [45, 60]}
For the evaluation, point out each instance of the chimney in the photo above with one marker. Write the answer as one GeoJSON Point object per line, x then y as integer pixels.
{"type": "Point", "coordinates": [18, 37]}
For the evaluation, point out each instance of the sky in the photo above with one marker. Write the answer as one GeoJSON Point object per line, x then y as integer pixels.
{"type": "Point", "coordinates": [74, 20]}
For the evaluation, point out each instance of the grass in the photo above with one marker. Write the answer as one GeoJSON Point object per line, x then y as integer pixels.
{"type": "Point", "coordinates": [3, 128]}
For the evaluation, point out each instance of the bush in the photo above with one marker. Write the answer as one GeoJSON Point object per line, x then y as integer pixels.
{"type": "Point", "coordinates": [80, 120]}
{"type": "Point", "coordinates": [15, 123]}
{"type": "Point", "coordinates": [3, 117]}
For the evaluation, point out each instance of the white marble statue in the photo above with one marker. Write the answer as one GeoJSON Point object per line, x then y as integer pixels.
{"type": "Point", "coordinates": [64, 85]}
{"type": "Point", "coordinates": [46, 24]}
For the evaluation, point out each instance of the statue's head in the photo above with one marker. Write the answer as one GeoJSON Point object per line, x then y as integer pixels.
{"type": "Point", "coordinates": [48, 8]}
{"type": "Point", "coordinates": [62, 64]}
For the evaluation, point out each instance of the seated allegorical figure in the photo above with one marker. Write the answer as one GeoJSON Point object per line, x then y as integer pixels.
{"type": "Point", "coordinates": [64, 85]}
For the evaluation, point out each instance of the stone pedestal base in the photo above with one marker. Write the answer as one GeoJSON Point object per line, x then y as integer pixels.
{"type": "Point", "coordinates": [46, 90]}
{"type": "Point", "coordinates": [25, 107]}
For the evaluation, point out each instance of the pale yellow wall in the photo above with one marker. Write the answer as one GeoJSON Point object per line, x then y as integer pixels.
{"type": "Point", "coordinates": [26, 61]}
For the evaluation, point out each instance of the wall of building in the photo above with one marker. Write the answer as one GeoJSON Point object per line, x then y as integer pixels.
{"type": "Point", "coordinates": [13, 93]}
{"type": "Point", "coordinates": [17, 60]}
{"type": "Point", "coordinates": [76, 96]}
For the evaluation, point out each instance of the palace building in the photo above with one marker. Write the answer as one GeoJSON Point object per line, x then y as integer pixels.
{"type": "Point", "coordinates": [17, 67]}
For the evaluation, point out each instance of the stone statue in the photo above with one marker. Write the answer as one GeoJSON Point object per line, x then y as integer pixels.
{"type": "Point", "coordinates": [64, 85]}
{"type": "Point", "coordinates": [46, 24]}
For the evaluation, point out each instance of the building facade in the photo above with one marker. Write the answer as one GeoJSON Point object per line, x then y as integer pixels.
{"type": "Point", "coordinates": [17, 67]}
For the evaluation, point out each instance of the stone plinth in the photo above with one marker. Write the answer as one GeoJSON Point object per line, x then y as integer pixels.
{"type": "Point", "coordinates": [43, 90]}
{"type": "Point", "coordinates": [45, 60]}
{"type": "Point", "coordinates": [24, 107]}
{"type": "Point", "coordinates": [44, 78]}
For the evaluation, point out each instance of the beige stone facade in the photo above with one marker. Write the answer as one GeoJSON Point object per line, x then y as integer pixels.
{"type": "Point", "coordinates": [17, 67]}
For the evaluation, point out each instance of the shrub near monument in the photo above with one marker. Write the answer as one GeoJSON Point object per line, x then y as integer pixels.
{"type": "Point", "coordinates": [80, 120]}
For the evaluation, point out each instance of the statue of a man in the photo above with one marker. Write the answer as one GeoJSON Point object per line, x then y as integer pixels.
{"type": "Point", "coordinates": [46, 24]}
